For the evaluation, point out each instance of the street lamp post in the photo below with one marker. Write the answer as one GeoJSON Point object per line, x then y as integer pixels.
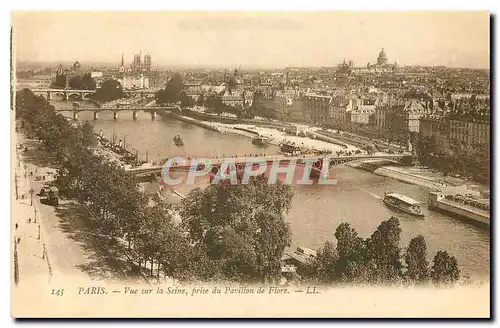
{"type": "Point", "coordinates": [31, 193]}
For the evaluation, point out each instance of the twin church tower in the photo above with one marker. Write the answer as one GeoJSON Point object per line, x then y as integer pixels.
{"type": "Point", "coordinates": [138, 65]}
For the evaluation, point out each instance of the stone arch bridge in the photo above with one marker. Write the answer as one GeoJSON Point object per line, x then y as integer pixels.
{"type": "Point", "coordinates": [85, 94]}
{"type": "Point", "coordinates": [115, 110]}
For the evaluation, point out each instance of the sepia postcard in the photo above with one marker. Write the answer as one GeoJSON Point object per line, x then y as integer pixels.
{"type": "Point", "coordinates": [250, 164]}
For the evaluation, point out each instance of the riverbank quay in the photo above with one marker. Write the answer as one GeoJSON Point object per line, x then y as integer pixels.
{"type": "Point", "coordinates": [411, 175]}
{"type": "Point", "coordinates": [233, 120]}
{"type": "Point", "coordinates": [358, 141]}
{"type": "Point", "coordinates": [319, 136]}
{"type": "Point", "coordinates": [190, 120]}
{"type": "Point", "coordinates": [406, 175]}
{"type": "Point", "coordinates": [462, 208]}
{"type": "Point", "coordinates": [276, 134]}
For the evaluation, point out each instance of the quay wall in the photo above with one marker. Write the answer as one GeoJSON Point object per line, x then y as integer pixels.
{"type": "Point", "coordinates": [190, 120]}
{"type": "Point", "coordinates": [328, 139]}
{"type": "Point", "coordinates": [408, 178]}
{"type": "Point", "coordinates": [232, 120]}
{"type": "Point", "coordinates": [462, 213]}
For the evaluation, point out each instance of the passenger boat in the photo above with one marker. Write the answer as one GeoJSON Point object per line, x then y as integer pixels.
{"type": "Point", "coordinates": [260, 141]}
{"type": "Point", "coordinates": [290, 148]}
{"type": "Point", "coordinates": [178, 141]}
{"type": "Point", "coordinates": [403, 203]}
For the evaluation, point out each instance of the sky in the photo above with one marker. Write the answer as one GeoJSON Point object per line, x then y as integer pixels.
{"type": "Point", "coordinates": [255, 39]}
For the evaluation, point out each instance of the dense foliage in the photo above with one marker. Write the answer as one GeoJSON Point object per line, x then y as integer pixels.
{"type": "Point", "coordinates": [85, 82]}
{"type": "Point", "coordinates": [110, 90]}
{"type": "Point", "coordinates": [242, 228]}
{"type": "Point", "coordinates": [379, 259]}
{"type": "Point", "coordinates": [172, 92]}
{"type": "Point", "coordinates": [60, 82]}
{"type": "Point", "coordinates": [455, 157]}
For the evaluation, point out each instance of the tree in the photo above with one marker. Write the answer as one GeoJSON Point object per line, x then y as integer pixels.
{"type": "Point", "coordinates": [445, 268]}
{"type": "Point", "coordinates": [110, 90]}
{"type": "Point", "coordinates": [25, 100]}
{"type": "Point", "coordinates": [201, 100]}
{"type": "Point", "coordinates": [260, 107]}
{"type": "Point", "coordinates": [84, 82]}
{"type": "Point", "coordinates": [325, 264]}
{"type": "Point", "coordinates": [171, 93]}
{"type": "Point", "coordinates": [351, 263]}
{"type": "Point", "coordinates": [185, 100]}
{"type": "Point", "coordinates": [88, 136]}
{"type": "Point", "coordinates": [383, 248]}
{"type": "Point", "coordinates": [241, 226]}
{"type": "Point", "coordinates": [214, 103]}
{"type": "Point", "coordinates": [60, 82]}
{"type": "Point", "coordinates": [88, 82]}
{"type": "Point", "coordinates": [76, 83]}
{"type": "Point", "coordinates": [417, 266]}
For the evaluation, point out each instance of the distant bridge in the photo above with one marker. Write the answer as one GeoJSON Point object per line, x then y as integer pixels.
{"type": "Point", "coordinates": [240, 162]}
{"type": "Point", "coordinates": [85, 94]}
{"type": "Point", "coordinates": [134, 109]}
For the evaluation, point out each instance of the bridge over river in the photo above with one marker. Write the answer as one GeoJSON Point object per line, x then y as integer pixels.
{"type": "Point", "coordinates": [116, 109]}
{"type": "Point", "coordinates": [214, 164]}
{"type": "Point", "coordinates": [49, 93]}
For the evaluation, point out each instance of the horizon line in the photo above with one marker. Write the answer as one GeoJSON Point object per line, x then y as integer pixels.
{"type": "Point", "coordinates": [239, 66]}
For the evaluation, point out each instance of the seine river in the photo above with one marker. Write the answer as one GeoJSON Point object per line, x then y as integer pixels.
{"type": "Point", "coordinates": [316, 210]}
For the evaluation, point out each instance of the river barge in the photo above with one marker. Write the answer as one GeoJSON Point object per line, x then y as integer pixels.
{"type": "Point", "coordinates": [462, 207]}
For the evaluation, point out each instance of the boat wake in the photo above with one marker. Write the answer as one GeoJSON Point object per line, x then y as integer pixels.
{"type": "Point", "coordinates": [371, 194]}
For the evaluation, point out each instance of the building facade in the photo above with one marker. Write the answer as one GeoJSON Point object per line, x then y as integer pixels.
{"type": "Point", "coordinates": [134, 82]}
{"type": "Point", "coordinates": [317, 108]}
{"type": "Point", "coordinates": [469, 132]}
{"type": "Point", "coordinates": [406, 117]}
{"type": "Point", "coordinates": [339, 107]}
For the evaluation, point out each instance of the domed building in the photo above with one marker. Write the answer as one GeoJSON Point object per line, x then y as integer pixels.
{"type": "Point", "coordinates": [382, 58]}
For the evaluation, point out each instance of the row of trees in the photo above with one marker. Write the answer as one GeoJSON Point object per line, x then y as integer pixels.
{"type": "Point", "coordinates": [227, 233]}
{"type": "Point", "coordinates": [110, 195]}
{"type": "Point", "coordinates": [455, 157]}
{"type": "Point", "coordinates": [84, 82]}
{"type": "Point", "coordinates": [232, 233]}
{"type": "Point", "coordinates": [379, 259]}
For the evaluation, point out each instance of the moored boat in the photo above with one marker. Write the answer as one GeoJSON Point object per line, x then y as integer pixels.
{"type": "Point", "coordinates": [403, 203]}
{"type": "Point", "coordinates": [178, 141]}
{"type": "Point", "coordinates": [290, 148]}
{"type": "Point", "coordinates": [260, 141]}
